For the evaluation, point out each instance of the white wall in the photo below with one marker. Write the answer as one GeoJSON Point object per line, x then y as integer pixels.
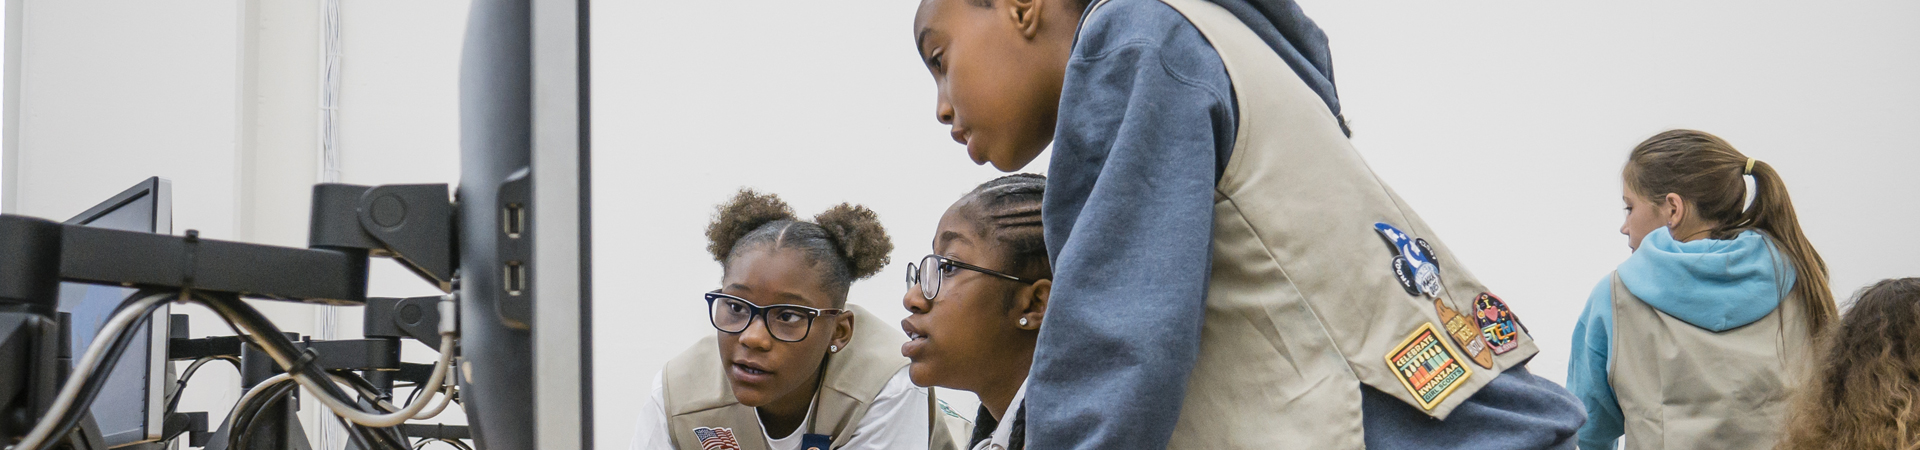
{"type": "Point", "coordinates": [100, 111]}
{"type": "Point", "coordinates": [220, 96]}
{"type": "Point", "coordinates": [1504, 123]}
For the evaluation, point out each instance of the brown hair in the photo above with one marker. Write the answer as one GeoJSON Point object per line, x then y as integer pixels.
{"type": "Point", "coordinates": [847, 238]}
{"type": "Point", "coordinates": [1866, 391]}
{"type": "Point", "coordinates": [1706, 171]}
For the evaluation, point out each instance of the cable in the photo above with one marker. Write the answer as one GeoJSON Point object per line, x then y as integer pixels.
{"type": "Point", "coordinates": [83, 385]}
{"type": "Point", "coordinates": [173, 403]}
{"type": "Point", "coordinates": [241, 433]}
{"type": "Point", "coordinates": [416, 393]}
{"type": "Point", "coordinates": [244, 318]}
{"type": "Point", "coordinates": [422, 443]}
{"type": "Point", "coordinates": [359, 383]}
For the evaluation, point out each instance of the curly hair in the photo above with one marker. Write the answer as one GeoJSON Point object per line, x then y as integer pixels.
{"type": "Point", "coordinates": [846, 241]}
{"type": "Point", "coordinates": [1865, 392]}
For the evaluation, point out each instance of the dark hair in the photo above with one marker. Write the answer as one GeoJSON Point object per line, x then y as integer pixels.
{"type": "Point", "coordinates": [1705, 170]}
{"type": "Point", "coordinates": [846, 241]}
{"type": "Point", "coordinates": [1866, 389]}
{"type": "Point", "coordinates": [1007, 210]}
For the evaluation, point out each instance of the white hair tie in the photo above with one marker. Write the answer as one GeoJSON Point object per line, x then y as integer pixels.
{"type": "Point", "coordinates": [1746, 175]}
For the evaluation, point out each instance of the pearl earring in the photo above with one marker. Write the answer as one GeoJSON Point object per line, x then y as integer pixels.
{"type": "Point", "coordinates": [833, 348]}
{"type": "Point", "coordinates": [1023, 321]}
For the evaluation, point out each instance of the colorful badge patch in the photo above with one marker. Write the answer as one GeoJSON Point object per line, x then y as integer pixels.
{"type": "Point", "coordinates": [1413, 263]}
{"type": "Point", "coordinates": [716, 438]}
{"type": "Point", "coordinates": [1497, 323]}
{"type": "Point", "coordinates": [1427, 367]}
{"type": "Point", "coordinates": [1464, 334]}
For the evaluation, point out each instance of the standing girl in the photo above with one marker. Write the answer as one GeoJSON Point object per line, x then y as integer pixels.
{"type": "Point", "coordinates": [791, 364]}
{"type": "Point", "coordinates": [1695, 341]}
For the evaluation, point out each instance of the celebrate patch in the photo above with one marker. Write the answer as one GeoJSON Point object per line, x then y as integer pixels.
{"type": "Point", "coordinates": [1427, 367]}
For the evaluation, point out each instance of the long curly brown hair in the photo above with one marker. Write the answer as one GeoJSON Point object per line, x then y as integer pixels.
{"type": "Point", "coordinates": [1865, 392]}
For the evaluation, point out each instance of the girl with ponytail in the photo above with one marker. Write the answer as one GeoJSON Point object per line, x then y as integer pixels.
{"type": "Point", "coordinates": [790, 365]}
{"type": "Point", "coordinates": [1695, 341]}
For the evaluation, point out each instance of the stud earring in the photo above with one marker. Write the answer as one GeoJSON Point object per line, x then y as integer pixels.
{"type": "Point", "coordinates": [833, 349]}
{"type": "Point", "coordinates": [1023, 321]}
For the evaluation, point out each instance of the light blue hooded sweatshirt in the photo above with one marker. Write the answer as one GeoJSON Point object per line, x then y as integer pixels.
{"type": "Point", "coordinates": [1713, 284]}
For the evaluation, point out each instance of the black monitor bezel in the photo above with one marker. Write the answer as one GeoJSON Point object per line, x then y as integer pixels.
{"type": "Point", "coordinates": [159, 192]}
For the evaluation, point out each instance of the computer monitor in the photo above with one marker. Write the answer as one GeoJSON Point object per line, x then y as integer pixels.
{"type": "Point", "coordinates": [523, 220]}
{"type": "Point", "coordinates": [130, 406]}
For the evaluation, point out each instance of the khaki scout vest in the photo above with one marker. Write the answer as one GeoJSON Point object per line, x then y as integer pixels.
{"type": "Point", "coordinates": [1683, 387]}
{"type": "Point", "coordinates": [698, 394]}
{"type": "Point", "coordinates": [1303, 307]}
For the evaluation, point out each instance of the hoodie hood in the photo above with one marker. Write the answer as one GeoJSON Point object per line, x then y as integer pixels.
{"type": "Point", "coordinates": [1714, 284]}
{"type": "Point", "coordinates": [1297, 40]}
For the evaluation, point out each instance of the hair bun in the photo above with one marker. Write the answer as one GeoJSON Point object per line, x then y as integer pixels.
{"type": "Point", "coordinates": [747, 211]}
{"type": "Point", "coordinates": [857, 231]}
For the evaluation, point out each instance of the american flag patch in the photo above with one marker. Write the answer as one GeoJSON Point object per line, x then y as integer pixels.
{"type": "Point", "coordinates": [716, 438]}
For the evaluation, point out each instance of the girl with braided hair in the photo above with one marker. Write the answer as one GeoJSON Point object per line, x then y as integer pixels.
{"type": "Point", "coordinates": [790, 365]}
{"type": "Point", "coordinates": [977, 302]}
{"type": "Point", "coordinates": [1697, 340]}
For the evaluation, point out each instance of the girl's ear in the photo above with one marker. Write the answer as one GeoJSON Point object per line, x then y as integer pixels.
{"type": "Point", "coordinates": [1033, 305]}
{"type": "Point", "coordinates": [842, 330]}
{"type": "Point", "coordinates": [1026, 15]}
{"type": "Point", "coordinates": [1675, 209]}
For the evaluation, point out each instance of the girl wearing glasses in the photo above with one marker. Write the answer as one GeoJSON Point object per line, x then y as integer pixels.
{"type": "Point", "coordinates": [791, 365]}
{"type": "Point", "coordinates": [976, 304]}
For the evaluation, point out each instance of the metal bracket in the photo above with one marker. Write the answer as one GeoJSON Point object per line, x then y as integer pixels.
{"type": "Point", "coordinates": [413, 317]}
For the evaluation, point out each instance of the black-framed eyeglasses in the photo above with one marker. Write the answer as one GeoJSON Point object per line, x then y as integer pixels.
{"type": "Point", "coordinates": [787, 323]}
{"type": "Point", "coordinates": [935, 267]}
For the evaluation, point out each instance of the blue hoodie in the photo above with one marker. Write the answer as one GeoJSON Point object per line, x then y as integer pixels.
{"type": "Point", "coordinates": [1713, 284]}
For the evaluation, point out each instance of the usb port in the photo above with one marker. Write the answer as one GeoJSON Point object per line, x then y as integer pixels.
{"type": "Point", "coordinates": [516, 278]}
{"type": "Point", "coordinates": [514, 220]}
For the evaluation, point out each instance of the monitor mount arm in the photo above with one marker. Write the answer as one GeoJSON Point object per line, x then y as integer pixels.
{"type": "Point", "coordinates": [412, 224]}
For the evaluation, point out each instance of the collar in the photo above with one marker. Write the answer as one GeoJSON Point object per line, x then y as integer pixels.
{"type": "Point", "coordinates": [1003, 433]}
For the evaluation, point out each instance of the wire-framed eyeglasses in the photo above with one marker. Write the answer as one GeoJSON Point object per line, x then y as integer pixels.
{"type": "Point", "coordinates": [934, 268]}
{"type": "Point", "coordinates": [787, 323]}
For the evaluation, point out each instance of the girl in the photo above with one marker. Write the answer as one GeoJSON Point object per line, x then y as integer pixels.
{"type": "Point", "coordinates": [1695, 340]}
{"type": "Point", "coordinates": [1216, 240]}
{"type": "Point", "coordinates": [1866, 391]}
{"type": "Point", "coordinates": [791, 364]}
{"type": "Point", "coordinates": [977, 303]}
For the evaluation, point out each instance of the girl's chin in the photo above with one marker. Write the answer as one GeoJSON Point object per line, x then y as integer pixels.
{"type": "Point", "coordinates": [923, 374]}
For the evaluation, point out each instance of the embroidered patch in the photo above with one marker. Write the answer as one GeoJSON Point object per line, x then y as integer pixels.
{"type": "Point", "coordinates": [716, 438]}
{"type": "Point", "coordinates": [1497, 323]}
{"type": "Point", "coordinates": [1464, 333]}
{"type": "Point", "coordinates": [1427, 367]}
{"type": "Point", "coordinates": [1413, 263]}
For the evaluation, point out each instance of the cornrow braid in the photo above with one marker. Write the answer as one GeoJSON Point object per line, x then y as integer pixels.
{"type": "Point", "coordinates": [1007, 210]}
{"type": "Point", "coordinates": [846, 242]}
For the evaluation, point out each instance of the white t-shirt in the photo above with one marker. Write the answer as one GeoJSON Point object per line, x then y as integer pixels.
{"type": "Point", "coordinates": [897, 420]}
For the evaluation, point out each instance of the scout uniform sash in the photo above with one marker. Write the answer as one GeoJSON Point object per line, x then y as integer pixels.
{"type": "Point", "coordinates": [1684, 387]}
{"type": "Point", "coordinates": [1323, 279]}
{"type": "Point", "coordinates": [702, 413]}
